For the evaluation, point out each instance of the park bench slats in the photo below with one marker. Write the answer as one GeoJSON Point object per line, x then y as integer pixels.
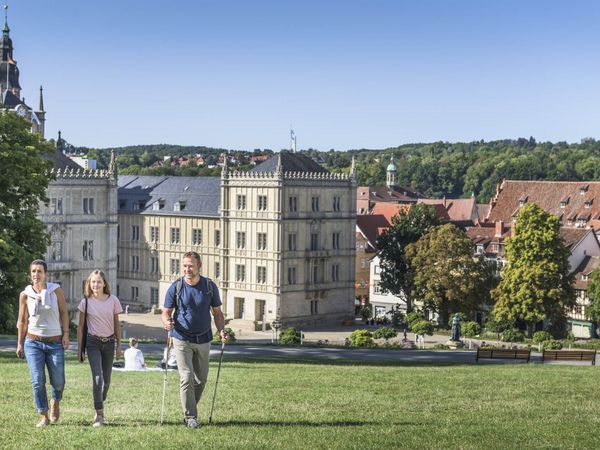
{"type": "Point", "coordinates": [569, 355]}
{"type": "Point", "coordinates": [503, 353]}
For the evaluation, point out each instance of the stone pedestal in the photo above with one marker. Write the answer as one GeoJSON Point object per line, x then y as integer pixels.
{"type": "Point", "coordinates": [455, 344]}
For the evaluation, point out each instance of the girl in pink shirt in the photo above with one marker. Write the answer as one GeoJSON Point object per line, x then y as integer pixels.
{"type": "Point", "coordinates": [101, 311]}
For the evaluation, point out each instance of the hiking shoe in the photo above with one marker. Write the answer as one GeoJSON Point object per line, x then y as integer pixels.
{"type": "Point", "coordinates": [191, 423]}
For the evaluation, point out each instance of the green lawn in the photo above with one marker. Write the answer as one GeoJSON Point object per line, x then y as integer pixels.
{"type": "Point", "coordinates": [274, 405]}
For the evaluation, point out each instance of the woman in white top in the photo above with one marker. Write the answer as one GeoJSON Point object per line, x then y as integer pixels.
{"type": "Point", "coordinates": [43, 337]}
{"type": "Point", "coordinates": [134, 359]}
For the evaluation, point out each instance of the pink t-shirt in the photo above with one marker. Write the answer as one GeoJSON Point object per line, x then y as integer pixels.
{"type": "Point", "coordinates": [101, 315]}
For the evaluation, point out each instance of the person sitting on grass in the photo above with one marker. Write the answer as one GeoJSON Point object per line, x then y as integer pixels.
{"type": "Point", "coordinates": [134, 359]}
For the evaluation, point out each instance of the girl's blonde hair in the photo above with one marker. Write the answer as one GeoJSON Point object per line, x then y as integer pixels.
{"type": "Point", "coordinates": [87, 290]}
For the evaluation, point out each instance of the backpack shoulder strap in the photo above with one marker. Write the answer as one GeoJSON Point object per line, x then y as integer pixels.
{"type": "Point", "coordinates": [178, 288]}
{"type": "Point", "coordinates": [209, 288]}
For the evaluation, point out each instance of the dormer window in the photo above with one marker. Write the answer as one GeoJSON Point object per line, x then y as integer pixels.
{"type": "Point", "coordinates": [179, 206]}
{"type": "Point", "coordinates": [523, 200]}
{"type": "Point", "coordinates": [581, 222]}
{"type": "Point", "coordinates": [479, 249]}
{"type": "Point", "coordinates": [564, 201]}
{"type": "Point", "coordinates": [587, 204]}
{"type": "Point", "coordinates": [122, 204]}
{"type": "Point", "coordinates": [583, 189]}
{"type": "Point", "coordinates": [158, 205]}
{"type": "Point", "coordinates": [563, 204]}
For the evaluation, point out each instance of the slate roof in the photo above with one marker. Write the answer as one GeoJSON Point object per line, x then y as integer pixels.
{"type": "Point", "coordinates": [395, 194]}
{"type": "Point", "coordinates": [197, 196]}
{"type": "Point", "coordinates": [290, 162]}
{"type": "Point", "coordinates": [62, 161]}
{"type": "Point", "coordinates": [569, 200]}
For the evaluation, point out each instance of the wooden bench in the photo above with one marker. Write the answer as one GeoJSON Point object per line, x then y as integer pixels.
{"type": "Point", "coordinates": [503, 353]}
{"type": "Point", "coordinates": [569, 355]}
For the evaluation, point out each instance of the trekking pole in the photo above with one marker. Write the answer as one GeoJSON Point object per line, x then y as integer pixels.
{"type": "Point", "coordinates": [216, 382]}
{"type": "Point", "coordinates": [164, 393]}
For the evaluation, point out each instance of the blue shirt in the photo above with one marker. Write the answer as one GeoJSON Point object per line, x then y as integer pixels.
{"type": "Point", "coordinates": [192, 320]}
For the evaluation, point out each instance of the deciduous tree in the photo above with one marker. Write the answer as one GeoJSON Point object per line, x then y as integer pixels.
{"type": "Point", "coordinates": [24, 177]}
{"type": "Point", "coordinates": [536, 283]}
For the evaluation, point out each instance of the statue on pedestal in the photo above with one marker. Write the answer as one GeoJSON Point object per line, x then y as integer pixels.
{"type": "Point", "coordinates": [455, 328]}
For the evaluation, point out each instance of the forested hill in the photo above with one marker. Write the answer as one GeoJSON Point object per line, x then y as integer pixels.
{"type": "Point", "coordinates": [434, 169]}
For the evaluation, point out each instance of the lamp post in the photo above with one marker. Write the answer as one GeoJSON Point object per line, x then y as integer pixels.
{"type": "Point", "coordinates": [276, 324]}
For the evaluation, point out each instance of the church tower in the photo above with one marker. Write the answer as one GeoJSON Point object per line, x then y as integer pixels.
{"type": "Point", "coordinates": [10, 89]}
{"type": "Point", "coordinates": [9, 73]}
{"type": "Point", "coordinates": [392, 174]}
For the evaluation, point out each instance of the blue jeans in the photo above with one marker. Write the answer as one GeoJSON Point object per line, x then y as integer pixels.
{"type": "Point", "coordinates": [39, 356]}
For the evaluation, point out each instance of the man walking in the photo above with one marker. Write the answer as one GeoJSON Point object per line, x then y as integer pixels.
{"type": "Point", "coordinates": [186, 315]}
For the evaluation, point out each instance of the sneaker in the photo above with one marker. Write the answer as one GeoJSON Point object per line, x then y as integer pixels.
{"type": "Point", "coordinates": [54, 411]}
{"type": "Point", "coordinates": [43, 422]}
{"type": "Point", "coordinates": [98, 421]}
{"type": "Point", "coordinates": [192, 423]}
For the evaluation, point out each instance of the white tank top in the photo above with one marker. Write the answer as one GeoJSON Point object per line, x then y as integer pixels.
{"type": "Point", "coordinates": [44, 316]}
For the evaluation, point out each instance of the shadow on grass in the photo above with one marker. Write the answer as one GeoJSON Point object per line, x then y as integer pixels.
{"type": "Point", "coordinates": [239, 423]}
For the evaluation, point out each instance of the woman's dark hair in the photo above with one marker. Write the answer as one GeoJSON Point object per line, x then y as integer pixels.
{"type": "Point", "coordinates": [39, 262]}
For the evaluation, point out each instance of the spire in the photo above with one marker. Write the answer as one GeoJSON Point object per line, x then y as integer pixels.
{"type": "Point", "coordinates": [225, 170]}
{"type": "Point", "coordinates": [6, 30]}
{"type": "Point", "coordinates": [353, 168]}
{"type": "Point", "coordinates": [279, 168]}
{"type": "Point", "coordinates": [112, 166]}
{"type": "Point", "coordinates": [41, 107]}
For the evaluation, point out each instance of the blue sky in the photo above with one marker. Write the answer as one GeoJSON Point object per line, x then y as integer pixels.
{"type": "Point", "coordinates": [345, 74]}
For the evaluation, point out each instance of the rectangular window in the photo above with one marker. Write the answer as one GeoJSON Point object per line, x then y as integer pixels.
{"type": "Point", "coordinates": [261, 274]}
{"type": "Point", "coordinates": [135, 232]}
{"type": "Point", "coordinates": [314, 307]}
{"type": "Point", "coordinates": [377, 269]}
{"type": "Point", "coordinates": [314, 241]}
{"type": "Point", "coordinates": [174, 266]}
{"type": "Point", "coordinates": [88, 205]}
{"type": "Point", "coordinates": [154, 234]}
{"type": "Point", "coordinates": [315, 204]}
{"type": "Point", "coordinates": [364, 263]}
{"type": "Point", "coordinates": [293, 204]}
{"type": "Point", "coordinates": [335, 272]}
{"type": "Point", "coordinates": [240, 239]}
{"type": "Point", "coordinates": [118, 262]}
{"type": "Point", "coordinates": [56, 251]}
{"type": "Point", "coordinates": [154, 264]}
{"type": "Point", "coordinates": [262, 202]}
{"type": "Point", "coordinates": [217, 270]}
{"type": "Point", "coordinates": [336, 204]}
{"type": "Point", "coordinates": [335, 241]}
{"type": "Point", "coordinates": [134, 293]}
{"type": "Point", "coordinates": [56, 206]}
{"type": "Point", "coordinates": [241, 202]}
{"type": "Point", "coordinates": [261, 241]}
{"type": "Point", "coordinates": [240, 272]}
{"type": "Point", "coordinates": [88, 250]}
{"type": "Point", "coordinates": [292, 242]}
{"type": "Point", "coordinates": [196, 236]}
{"type": "Point", "coordinates": [154, 296]}
{"type": "Point", "coordinates": [135, 263]}
{"type": "Point", "coordinates": [175, 235]}
{"type": "Point", "coordinates": [291, 275]}
{"type": "Point", "coordinates": [217, 238]}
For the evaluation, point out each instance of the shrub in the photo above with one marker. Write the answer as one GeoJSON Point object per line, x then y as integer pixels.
{"type": "Point", "coordinates": [422, 327]}
{"type": "Point", "coordinates": [413, 317]}
{"type": "Point", "coordinates": [398, 318]}
{"type": "Point", "coordinates": [512, 335]}
{"type": "Point", "coordinates": [497, 326]}
{"type": "Point", "coordinates": [290, 336]}
{"type": "Point", "coordinates": [385, 333]}
{"type": "Point", "coordinates": [361, 338]}
{"type": "Point", "coordinates": [558, 328]}
{"type": "Point", "coordinates": [217, 336]}
{"type": "Point", "coordinates": [471, 329]}
{"type": "Point", "coordinates": [541, 336]}
{"type": "Point", "coordinates": [440, 347]}
{"type": "Point", "coordinates": [366, 312]}
{"type": "Point", "coordinates": [552, 344]}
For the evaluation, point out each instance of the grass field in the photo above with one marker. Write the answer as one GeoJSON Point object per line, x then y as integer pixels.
{"type": "Point", "coordinates": [278, 404]}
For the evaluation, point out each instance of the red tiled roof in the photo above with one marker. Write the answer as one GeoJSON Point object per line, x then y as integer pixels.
{"type": "Point", "coordinates": [370, 225]}
{"type": "Point", "coordinates": [587, 266]}
{"type": "Point", "coordinates": [389, 210]}
{"type": "Point", "coordinates": [569, 200]}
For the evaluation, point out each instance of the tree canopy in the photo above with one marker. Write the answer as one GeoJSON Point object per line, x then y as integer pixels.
{"type": "Point", "coordinates": [407, 227]}
{"type": "Point", "coordinates": [447, 277]}
{"type": "Point", "coordinates": [24, 177]}
{"type": "Point", "coordinates": [536, 283]}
